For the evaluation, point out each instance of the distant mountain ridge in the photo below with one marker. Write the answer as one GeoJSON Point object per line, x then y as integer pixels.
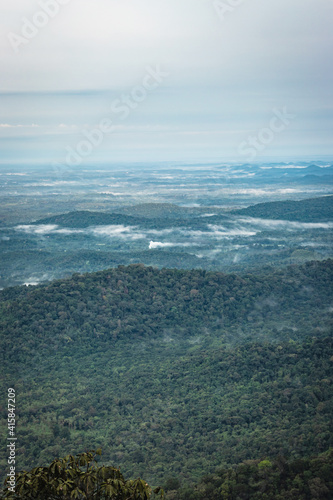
{"type": "Point", "coordinates": [162, 210]}
{"type": "Point", "coordinates": [84, 218]}
{"type": "Point", "coordinates": [309, 210]}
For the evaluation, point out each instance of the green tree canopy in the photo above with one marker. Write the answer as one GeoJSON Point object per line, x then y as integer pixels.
{"type": "Point", "coordinates": [78, 477]}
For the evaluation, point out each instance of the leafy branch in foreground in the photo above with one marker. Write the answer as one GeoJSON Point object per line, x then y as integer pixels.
{"type": "Point", "coordinates": [78, 477]}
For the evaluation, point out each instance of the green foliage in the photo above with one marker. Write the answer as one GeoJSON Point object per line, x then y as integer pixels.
{"type": "Point", "coordinates": [174, 373]}
{"type": "Point", "coordinates": [138, 302]}
{"type": "Point", "coordinates": [264, 464]}
{"type": "Point", "coordinates": [160, 220]}
{"type": "Point", "coordinates": [78, 478]}
{"type": "Point", "coordinates": [161, 210]}
{"type": "Point", "coordinates": [83, 219]}
{"type": "Point", "coordinates": [306, 479]}
{"type": "Point", "coordinates": [309, 210]}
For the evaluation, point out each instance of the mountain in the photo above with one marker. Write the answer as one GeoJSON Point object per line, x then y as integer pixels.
{"type": "Point", "coordinates": [84, 219]}
{"type": "Point", "coordinates": [208, 238]}
{"type": "Point", "coordinates": [308, 210]}
{"type": "Point", "coordinates": [172, 373]}
{"type": "Point", "coordinates": [162, 210]}
{"type": "Point", "coordinates": [157, 217]}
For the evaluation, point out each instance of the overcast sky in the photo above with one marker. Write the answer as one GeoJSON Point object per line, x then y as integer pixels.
{"type": "Point", "coordinates": [178, 79]}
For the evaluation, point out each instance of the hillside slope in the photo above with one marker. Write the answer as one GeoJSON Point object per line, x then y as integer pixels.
{"type": "Point", "coordinates": [309, 210]}
{"type": "Point", "coordinates": [85, 218]}
{"type": "Point", "coordinates": [171, 372]}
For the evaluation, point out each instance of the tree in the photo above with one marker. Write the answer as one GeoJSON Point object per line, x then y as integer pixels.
{"type": "Point", "coordinates": [78, 478]}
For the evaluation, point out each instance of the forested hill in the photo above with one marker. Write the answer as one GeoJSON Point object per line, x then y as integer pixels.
{"type": "Point", "coordinates": [309, 210]}
{"type": "Point", "coordinates": [141, 302]}
{"type": "Point", "coordinates": [173, 373]}
{"type": "Point", "coordinates": [85, 218]}
{"type": "Point", "coordinates": [162, 210]}
{"type": "Point", "coordinates": [151, 216]}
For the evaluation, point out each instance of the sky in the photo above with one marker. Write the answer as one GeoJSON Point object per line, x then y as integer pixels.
{"type": "Point", "coordinates": [87, 82]}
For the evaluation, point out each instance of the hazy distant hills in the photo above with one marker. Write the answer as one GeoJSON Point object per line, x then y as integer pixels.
{"type": "Point", "coordinates": [84, 218]}
{"type": "Point", "coordinates": [162, 210]}
{"type": "Point", "coordinates": [150, 216]}
{"type": "Point", "coordinates": [167, 235]}
{"type": "Point", "coordinates": [169, 215]}
{"type": "Point", "coordinates": [289, 173]}
{"type": "Point", "coordinates": [309, 210]}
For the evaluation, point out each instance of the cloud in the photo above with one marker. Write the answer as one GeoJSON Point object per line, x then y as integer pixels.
{"type": "Point", "coordinates": [159, 244]}
{"type": "Point", "coordinates": [213, 65]}
{"type": "Point", "coordinates": [37, 229]}
{"type": "Point", "coordinates": [285, 167]}
{"type": "Point", "coordinates": [236, 259]}
{"type": "Point", "coordinates": [212, 241]}
{"type": "Point", "coordinates": [44, 229]}
{"type": "Point", "coordinates": [262, 191]}
{"type": "Point", "coordinates": [117, 231]}
{"type": "Point", "coordinates": [315, 244]}
{"type": "Point", "coordinates": [68, 231]}
{"type": "Point", "coordinates": [281, 224]}
{"type": "Point", "coordinates": [31, 282]}
{"type": "Point", "coordinates": [222, 232]}
{"type": "Point", "coordinates": [15, 173]}
{"type": "Point", "coordinates": [114, 193]}
{"type": "Point", "coordinates": [110, 231]}
{"type": "Point", "coordinates": [55, 183]}
{"type": "Point", "coordinates": [8, 125]}
{"type": "Point", "coordinates": [35, 280]}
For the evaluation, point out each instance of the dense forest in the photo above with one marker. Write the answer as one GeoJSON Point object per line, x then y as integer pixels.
{"type": "Point", "coordinates": [78, 477]}
{"type": "Point", "coordinates": [85, 219]}
{"type": "Point", "coordinates": [303, 479]}
{"type": "Point", "coordinates": [84, 478]}
{"type": "Point", "coordinates": [309, 210]}
{"type": "Point", "coordinates": [173, 373]}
